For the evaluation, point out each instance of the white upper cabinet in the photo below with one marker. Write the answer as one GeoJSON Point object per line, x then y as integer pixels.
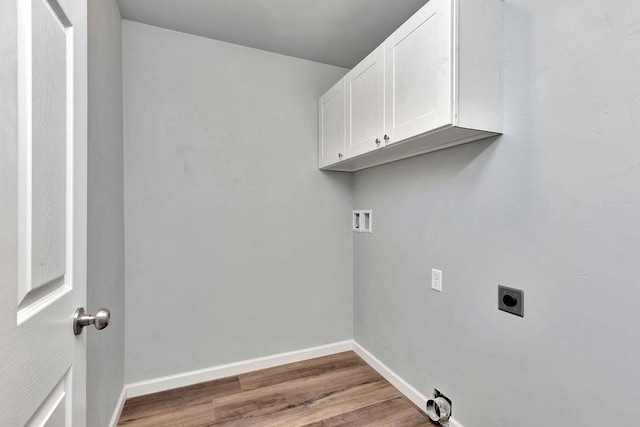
{"type": "Point", "coordinates": [365, 104]}
{"type": "Point", "coordinates": [331, 108]}
{"type": "Point", "coordinates": [418, 65]}
{"type": "Point", "coordinates": [434, 83]}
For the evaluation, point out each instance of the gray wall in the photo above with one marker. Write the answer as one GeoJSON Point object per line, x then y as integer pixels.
{"type": "Point", "coordinates": [552, 206]}
{"type": "Point", "coordinates": [105, 269]}
{"type": "Point", "coordinates": [236, 245]}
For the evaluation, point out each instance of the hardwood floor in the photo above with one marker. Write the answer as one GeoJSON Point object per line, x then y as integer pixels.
{"type": "Point", "coordinates": [337, 390]}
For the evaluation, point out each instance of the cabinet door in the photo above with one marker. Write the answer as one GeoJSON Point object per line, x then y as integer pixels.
{"type": "Point", "coordinates": [365, 104]}
{"type": "Point", "coordinates": [418, 73]}
{"type": "Point", "coordinates": [331, 125]}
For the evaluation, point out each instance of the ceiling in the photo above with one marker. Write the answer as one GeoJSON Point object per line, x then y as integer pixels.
{"type": "Point", "coordinates": [336, 32]}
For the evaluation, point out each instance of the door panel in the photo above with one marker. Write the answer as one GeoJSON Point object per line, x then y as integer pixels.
{"type": "Point", "coordinates": [55, 410]}
{"type": "Point", "coordinates": [43, 361]}
{"type": "Point", "coordinates": [418, 73]}
{"type": "Point", "coordinates": [331, 124]}
{"type": "Point", "coordinates": [43, 157]}
{"type": "Point", "coordinates": [45, 165]}
{"type": "Point", "coordinates": [415, 75]}
{"type": "Point", "coordinates": [365, 104]}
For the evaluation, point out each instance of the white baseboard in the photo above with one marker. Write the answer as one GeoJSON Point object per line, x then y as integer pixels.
{"type": "Point", "coordinates": [222, 371]}
{"type": "Point", "coordinates": [118, 410]}
{"type": "Point", "coordinates": [419, 399]}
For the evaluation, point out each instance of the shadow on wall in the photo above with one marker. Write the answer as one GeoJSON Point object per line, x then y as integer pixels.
{"type": "Point", "coordinates": [444, 166]}
{"type": "Point", "coordinates": [517, 98]}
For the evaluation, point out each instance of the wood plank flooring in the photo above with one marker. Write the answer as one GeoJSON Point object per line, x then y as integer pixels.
{"type": "Point", "coordinates": [336, 390]}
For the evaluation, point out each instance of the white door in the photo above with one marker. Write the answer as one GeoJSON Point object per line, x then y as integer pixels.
{"type": "Point", "coordinates": [365, 104]}
{"type": "Point", "coordinates": [331, 126]}
{"type": "Point", "coordinates": [43, 219]}
{"type": "Point", "coordinates": [418, 73]}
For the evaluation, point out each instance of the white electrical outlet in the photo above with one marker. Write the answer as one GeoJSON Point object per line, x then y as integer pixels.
{"type": "Point", "coordinates": [436, 280]}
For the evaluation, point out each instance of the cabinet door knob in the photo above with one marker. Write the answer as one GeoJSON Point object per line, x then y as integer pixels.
{"type": "Point", "coordinates": [340, 155]}
{"type": "Point", "coordinates": [386, 137]}
{"type": "Point", "coordinates": [377, 141]}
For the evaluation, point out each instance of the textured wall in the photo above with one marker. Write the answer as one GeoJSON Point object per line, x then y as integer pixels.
{"type": "Point", "coordinates": [237, 246]}
{"type": "Point", "coordinates": [105, 263]}
{"type": "Point", "coordinates": [552, 207]}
